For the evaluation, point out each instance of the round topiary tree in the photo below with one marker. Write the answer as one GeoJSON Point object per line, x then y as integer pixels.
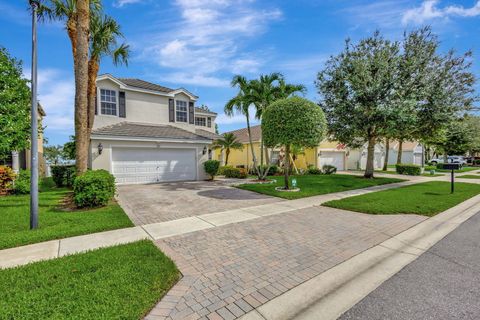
{"type": "Point", "coordinates": [293, 121]}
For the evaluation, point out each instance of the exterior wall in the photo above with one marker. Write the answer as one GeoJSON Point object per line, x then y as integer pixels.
{"type": "Point", "coordinates": [206, 115]}
{"type": "Point", "coordinates": [104, 160]}
{"type": "Point", "coordinates": [144, 108]}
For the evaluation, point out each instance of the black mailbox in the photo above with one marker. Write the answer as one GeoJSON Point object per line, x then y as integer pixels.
{"type": "Point", "coordinates": [451, 166]}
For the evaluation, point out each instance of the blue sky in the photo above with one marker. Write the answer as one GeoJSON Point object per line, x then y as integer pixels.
{"type": "Point", "coordinates": [201, 44]}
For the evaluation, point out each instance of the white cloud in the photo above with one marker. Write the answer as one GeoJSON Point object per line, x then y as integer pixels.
{"type": "Point", "coordinates": [208, 38]}
{"type": "Point", "coordinates": [56, 93]}
{"type": "Point", "coordinates": [429, 11]}
{"type": "Point", "coordinates": [237, 118]}
{"type": "Point", "coordinates": [121, 3]}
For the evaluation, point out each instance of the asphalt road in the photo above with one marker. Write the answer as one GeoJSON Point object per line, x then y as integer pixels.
{"type": "Point", "coordinates": [443, 283]}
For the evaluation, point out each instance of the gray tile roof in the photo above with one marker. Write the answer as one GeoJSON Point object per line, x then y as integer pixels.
{"type": "Point", "coordinates": [207, 134]}
{"type": "Point", "coordinates": [141, 84]}
{"type": "Point", "coordinates": [242, 134]}
{"type": "Point", "coordinates": [146, 130]}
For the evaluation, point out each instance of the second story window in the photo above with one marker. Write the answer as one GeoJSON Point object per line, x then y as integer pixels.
{"type": "Point", "coordinates": [182, 115]}
{"type": "Point", "coordinates": [108, 102]}
{"type": "Point", "coordinates": [200, 121]}
{"type": "Point", "coordinates": [209, 122]}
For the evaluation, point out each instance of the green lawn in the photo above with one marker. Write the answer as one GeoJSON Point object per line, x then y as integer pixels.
{"type": "Point", "coordinates": [464, 169]}
{"type": "Point", "coordinates": [312, 185]}
{"type": "Point", "coordinates": [122, 282]}
{"type": "Point", "coordinates": [54, 223]}
{"type": "Point", "coordinates": [426, 199]}
{"type": "Point", "coordinates": [469, 176]}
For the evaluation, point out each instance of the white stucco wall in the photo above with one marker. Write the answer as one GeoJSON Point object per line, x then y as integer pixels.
{"type": "Point", "coordinates": [104, 161]}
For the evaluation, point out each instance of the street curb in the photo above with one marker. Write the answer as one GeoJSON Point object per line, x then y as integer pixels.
{"type": "Point", "coordinates": [330, 294]}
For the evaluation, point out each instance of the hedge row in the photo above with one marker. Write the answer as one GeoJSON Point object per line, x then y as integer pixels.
{"type": "Point", "coordinates": [408, 169]}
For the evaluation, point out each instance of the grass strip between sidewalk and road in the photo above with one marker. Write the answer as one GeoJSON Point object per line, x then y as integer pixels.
{"type": "Point", "coordinates": [121, 282]}
{"type": "Point", "coordinates": [469, 176]}
{"type": "Point", "coordinates": [54, 222]}
{"type": "Point", "coordinates": [425, 199]}
{"type": "Point", "coordinates": [313, 185]}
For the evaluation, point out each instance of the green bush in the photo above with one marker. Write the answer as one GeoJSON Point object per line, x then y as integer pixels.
{"type": "Point", "coordinates": [93, 188]}
{"type": "Point", "coordinates": [211, 167]}
{"type": "Point", "coordinates": [63, 176]}
{"type": "Point", "coordinates": [273, 170]}
{"type": "Point", "coordinates": [221, 170]}
{"type": "Point", "coordinates": [477, 162]}
{"type": "Point", "coordinates": [313, 170]}
{"type": "Point", "coordinates": [6, 178]}
{"type": "Point", "coordinates": [22, 183]}
{"type": "Point", "coordinates": [408, 169]}
{"type": "Point", "coordinates": [237, 173]}
{"type": "Point", "coordinates": [329, 169]}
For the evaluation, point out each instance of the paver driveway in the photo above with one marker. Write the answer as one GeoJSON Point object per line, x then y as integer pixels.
{"type": "Point", "coordinates": [161, 202]}
{"type": "Point", "coordinates": [228, 271]}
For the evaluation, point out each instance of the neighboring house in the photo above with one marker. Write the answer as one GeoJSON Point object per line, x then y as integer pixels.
{"type": "Point", "coordinates": [326, 153]}
{"type": "Point", "coordinates": [21, 159]}
{"type": "Point", "coordinates": [146, 133]}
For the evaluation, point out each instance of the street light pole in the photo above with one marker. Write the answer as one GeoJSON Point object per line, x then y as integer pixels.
{"type": "Point", "coordinates": [34, 124]}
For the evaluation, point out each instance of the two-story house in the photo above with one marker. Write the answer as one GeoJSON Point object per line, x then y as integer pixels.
{"type": "Point", "coordinates": [146, 133]}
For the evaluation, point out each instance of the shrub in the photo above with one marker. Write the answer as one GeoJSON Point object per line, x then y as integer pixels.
{"type": "Point", "coordinates": [22, 183]}
{"type": "Point", "coordinates": [329, 169]}
{"type": "Point", "coordinates": [274, 169]}
{"type": "Point", "coordinates": [408, 169]}
{"type": "Point", "coordinates": [63, 176]}
{"type": "Point", "coordinates": [221, 170]}
{"type": "Point", "coordinates": [211, 167]}
{"type": "Point", "coordinates": [6, 178]}
{"type": "Point", "coordinates": [237, 173]}
{"type": "Point", "coordinates": [93, 188]}
{"type": "Point", "coordinates": [313, 170]}
{"type": "Point", "coordinates": [477, 162]}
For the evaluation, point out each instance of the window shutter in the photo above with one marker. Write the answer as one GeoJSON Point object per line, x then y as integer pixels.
{"type": "Point", "coordinates": [209, 122]}
{"type": "Point", "coordinates": [96, 101]}
{"type": "Point", "coordinates": [191, 112]}
{"type": "Point", "coordinates": [122, 107]}
{"type": "Point", "coordinates": [171, 110]}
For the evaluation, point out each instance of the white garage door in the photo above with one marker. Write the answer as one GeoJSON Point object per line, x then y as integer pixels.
{"type": "Point", "coordinates": [332, 158]}
{"type": "Point", "coordinates": [149, 165]}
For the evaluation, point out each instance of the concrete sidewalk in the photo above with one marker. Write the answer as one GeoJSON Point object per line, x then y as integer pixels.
{"type": "Point", "coordinates": [57, 248]}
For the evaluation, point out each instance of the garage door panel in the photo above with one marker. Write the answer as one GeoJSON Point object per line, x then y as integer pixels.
{"type": "Point", "coordinates": [149, 165]}
{"type": "Point", "coordinates": [336, 159]}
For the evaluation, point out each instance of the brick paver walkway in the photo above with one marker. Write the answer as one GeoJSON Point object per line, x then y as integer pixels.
{"type": "Point", "coordinates": [162, 202]}
{"type": "Point", "coordinates": [228, 271]}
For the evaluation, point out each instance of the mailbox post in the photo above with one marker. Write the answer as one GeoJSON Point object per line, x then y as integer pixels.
{"type": "Point", "coordinates": [453, 167]}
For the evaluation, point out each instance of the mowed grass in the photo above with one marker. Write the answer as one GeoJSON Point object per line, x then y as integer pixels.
{"type": "Point", "coordinates": [426, 199]}
{"type": "Point", "coordinates": [464, 169]}
{"type": "Point", "coordinates": [54, 223]}
{"type": "Point", "coordinates": [312, 185]}
{"type": "Point", "coordinates": [122, 282]}
{"type": "Point", "coordinates": [469, 176]}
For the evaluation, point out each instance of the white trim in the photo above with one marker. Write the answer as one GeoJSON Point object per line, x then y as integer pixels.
{"type": "Point", "coordinates": [129, 88]}
{"type": "Point", "coordinates": [119, 138]}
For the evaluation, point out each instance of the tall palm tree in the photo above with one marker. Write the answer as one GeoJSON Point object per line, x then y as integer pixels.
{"type": "Point", "coordinates": [81, 86]}
{"type": "Point", "coordinates": [240, 104]}
{"type": "Point", "coordinates": [227, 143]}
{"type": "Point", "coordinates": [76, 15]}
{"type": "Point", "coordinates": [104, 32]}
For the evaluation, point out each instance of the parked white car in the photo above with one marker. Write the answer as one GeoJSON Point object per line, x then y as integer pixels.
{"type": "Point", "coordinates": [450, 159]}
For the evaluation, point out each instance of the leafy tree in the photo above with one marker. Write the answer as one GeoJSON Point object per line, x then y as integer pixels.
{"type": "Point", "coordinates": [473, 125]}
{"type": "Point", "coordinates": [293, 121]}
{"type": "Point", "coordinates": [357, 90]}
{"type": "Point", "coordinates": [456, 139]}
{"type": "Point", "coordinates": [14, 105]}
{"type": "Point", "coordinates": [53, 154]}
{"type": "Point", "coordinates": [68, 150]}
{"type": "Point", "coordinates": [104, 32]}
{"type": "Point", "coordinates": [227, 143]}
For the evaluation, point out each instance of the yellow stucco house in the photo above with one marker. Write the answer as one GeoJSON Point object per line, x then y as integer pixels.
{"type": "Point", "coordinates": [327, 152]}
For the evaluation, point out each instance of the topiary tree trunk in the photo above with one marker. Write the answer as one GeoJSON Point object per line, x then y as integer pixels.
{"type": "Point", "coordinates": [370, 158]}
{"type": "Point", "coordinates": [287, 166]}
{"type": "Point", "coordinates": [387, 147]}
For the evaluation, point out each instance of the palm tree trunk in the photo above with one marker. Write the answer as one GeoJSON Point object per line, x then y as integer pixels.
{"type": "Point", "coordinates": [267, 157]}
{"type": "Point", "coordinates": [72, 35]}
{"type": "Point", "coordinates": [251, 146]}
{"type": "Point", "coordinates": [387, 147]}
{"type": "Point", "coordinates": [287, 165]}
{"type": "Point", "coordinates": [81, 86]}
{"type": "Point", "coordinates": [92, 92]}
{"type": "Point", "coordinates": [227, 153]}
{"type": "Point", "coordinates": [370, 157]}
{"type": "Point", "coordinates": [262, 148]}
{"type": "Point", "coordinates": [400, 151]}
